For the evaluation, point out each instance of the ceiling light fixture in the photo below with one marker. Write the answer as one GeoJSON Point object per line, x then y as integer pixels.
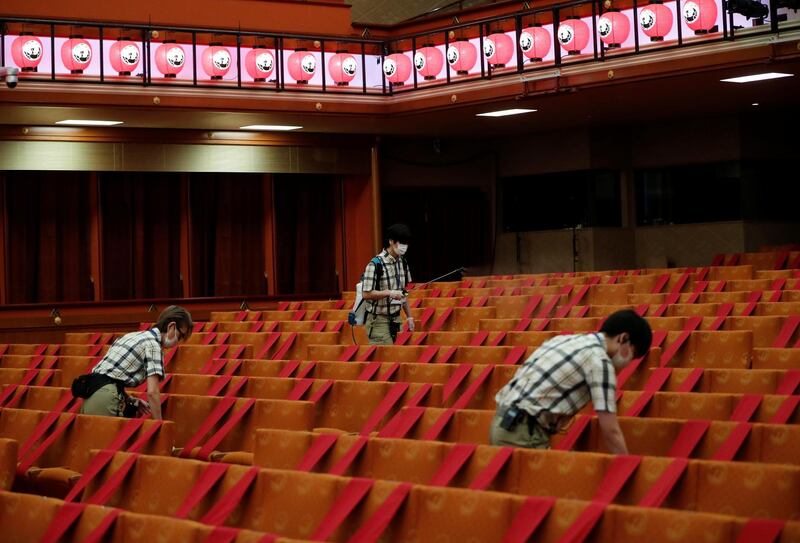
{"type": "Point", "coordinates": [272, 127]}
{"type": "Point", "coordinates": [87, 122]}
{"type": "Point", "coordinates": [756, 77]}
{"type": "Point", "coordinates": [505, 112]}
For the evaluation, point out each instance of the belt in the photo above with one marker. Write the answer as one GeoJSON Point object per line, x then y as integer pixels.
{"type": "Point", "coordinates": [531, 421]}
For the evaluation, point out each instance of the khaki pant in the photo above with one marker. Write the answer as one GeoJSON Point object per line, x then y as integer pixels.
{"type": "Point", "coordinates": [377, 327]}
{"type": "Point", "coordinates": [106, 401]}
{"type": "Point", "coordinates": [520, 436]}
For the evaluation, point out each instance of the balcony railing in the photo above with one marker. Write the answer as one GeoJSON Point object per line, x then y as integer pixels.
{"type": "Point", "coordinates": [558, 36]}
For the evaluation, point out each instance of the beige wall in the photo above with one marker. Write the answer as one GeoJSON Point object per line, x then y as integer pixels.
{"type": "Point", "coordinates": [757, 234]}
{"type": "Point", "coordinates": [688, 244]}
{"type": "Point", "coordinates": [643, 247]}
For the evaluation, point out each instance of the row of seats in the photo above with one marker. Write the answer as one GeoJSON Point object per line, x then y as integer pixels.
{"type": "Point", "coordinates": [741, 488]}
{"type": "Point", "coordinates": [282, 401]}
{"type": "Point", "coordinates": [26, 518]}
{"type": "Point", "coordinates": [483, 382]}
{"type": "Point", "coordinates": [312, 505]}
{"type": "Point", "coordinates": [190, 429]}
{"type": "Point", "coordinates": [734, 348]}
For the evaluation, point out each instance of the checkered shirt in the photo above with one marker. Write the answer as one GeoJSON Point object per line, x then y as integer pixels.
{"type": "Point", "coordinates": [133, 358]}
{"type": "Point", "coordinates": [393, 277]}
{"type": "Point", "coordinates": [560, 377]}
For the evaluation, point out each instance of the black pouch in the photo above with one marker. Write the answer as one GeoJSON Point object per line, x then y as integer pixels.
{"type": "Point", "coordinates": [130, 410]}
{"type": "Point", "coordinates": [510, 419]}
{"type": "Point", "coordinates": [81, 386]}
{"type": "Point", "coordinates": [86, 385]}
{"type": "Point", "coordinates": [394, 328]}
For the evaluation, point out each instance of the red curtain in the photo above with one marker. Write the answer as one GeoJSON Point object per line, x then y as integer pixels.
{"type": "Point", "coordinates": [227, 246]}
{"type": "Point", "coordinates": [305, 230]}
{"type": "Point", "coordinates": [140, 217]}
{"type": "Point", "coordinates": [47, 254]}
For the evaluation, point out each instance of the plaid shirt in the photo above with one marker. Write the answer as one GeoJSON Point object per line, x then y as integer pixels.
{"type": "Point", "coordinates": [393, 277]}
{"type": "Point", "coordinates": [133, 358]}
{"type": "Point", "coordinates": [560, 377]}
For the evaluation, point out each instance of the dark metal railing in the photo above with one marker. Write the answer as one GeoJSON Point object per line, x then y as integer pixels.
{"type": "Point", "coordinates": [364, 51]}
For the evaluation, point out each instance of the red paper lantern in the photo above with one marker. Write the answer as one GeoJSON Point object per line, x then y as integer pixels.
{"type": "Point", "coordinates": [170, 58]}
{"type": "Point", "coordinates": [614, 28]}
{"type": "Point", "coordinates": [302, 65]}
{"type": "Point", "coordinates": [343, 67]}
{"type": "Point", "coordinates": [700, 15]}
{"type": "Point", "coordinates": [397, 68]}
{"type": "Point", "coordinates": [573, 35]}
{"type": "Point", "coordinates": [76, 54]}
{"type": "Point", "coordinates": [216, 61]}
{"type": "Point", "coordinates": [498, 49]}
{"type": "Point", "coordinates": [461, 56]}
{"type": "Point", "coordinates": [429, 61]}
{"type": "Point", "coordinates": [656, 21]}
{"type": "Point", "coordinates": [124, 56]}
{"type": "Point", "coordinates": [535, 43]}
{"type": "Point", "coordinates": [259, 63]}
{"type": "Point", "coordinates": [27, 52]}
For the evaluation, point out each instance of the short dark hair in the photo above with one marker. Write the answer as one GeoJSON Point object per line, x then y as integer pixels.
{"type": "Point", "coordinates": [399, 232]}
{"type": "Point", "coordinates": [630, 322]}
{"type": "Point", "coordinates": [178, 315]}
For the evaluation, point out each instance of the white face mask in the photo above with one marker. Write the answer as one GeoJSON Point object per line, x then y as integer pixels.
{"type": "Point", "coordinates": [401, 248]}
{"type": "Point", "coordinates": [170, 342]}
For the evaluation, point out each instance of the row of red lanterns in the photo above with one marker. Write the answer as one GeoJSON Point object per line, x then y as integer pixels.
{"type": "Point", "coordinates": [573, 35]}
{"type": "Point", "coordinates": [170, 57]}
{"type": "Point", "coordinates": [656, 21]}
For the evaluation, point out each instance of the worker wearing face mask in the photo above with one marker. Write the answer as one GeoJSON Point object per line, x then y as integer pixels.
{"type": "Point", "coordinates": [383, 288]}
{"type": "Point", "coordinates": [133, 359]}
{"type": "Point", "coordinates": [562, 375]}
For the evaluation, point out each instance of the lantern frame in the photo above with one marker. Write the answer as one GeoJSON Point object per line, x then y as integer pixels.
{"type": "Point", "coordinates": [251, 61]}
{"type": "Point", "coordinates": [22, 40]}
{"type": "Point", "coordinates": [535, 26]}
{"type": "Point", "coordinates": [116, 49]}
{"type": "Point", "coordinates": [69, 60]}
{"type": "Point", "coordinates": [167, 46]}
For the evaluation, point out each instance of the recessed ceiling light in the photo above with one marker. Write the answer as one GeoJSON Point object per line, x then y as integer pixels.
{"type": "Point", "coordinates": [88, 122]}
{"type": "Point", "coordinates": [505, 112]}
{"type": "Point", "coordinates": [277, 127]}
{"type": "Point", "coordinates": [754, 104]}
{"type": "Point", "coordinates": [756, 77]}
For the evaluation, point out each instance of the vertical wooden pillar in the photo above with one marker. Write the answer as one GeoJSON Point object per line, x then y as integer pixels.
{"type": "Point", "coordinates": [269, 234]}
{"type": "Point", "coordinates": [95, 238]}
{"type": "Point", "coordinates": [358, 231]}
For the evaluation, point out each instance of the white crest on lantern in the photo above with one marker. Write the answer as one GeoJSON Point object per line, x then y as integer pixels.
{"type": "Point", "coordinates": [452, 55]}
{"type": "Point", "coordinates": [265, 61]}
{"type": "Point", "coordinates": [349, 66]}
{"type": "Point", "coordinates": [32, 50]}
{"type": "Point", "coordinates": [81, 52]}
{"type": "Point", "coordinates": [691, 12]}
{"type": "Point", "coordinates": [647, 19]}
{"type": "Point", "coordinates": [525, 41]}
{"type": "Point", "coordinates": [565, 34]}
{"type": "Point", "coordinates": [221, 59]}
{"type": "Point", "coordinates": [604, 26]}
{"type": "Point", "coordinates": [308, 64]}
{"type": "Point", "coordinates": [129, 55]}
{"type": "Point", "coordinates": [488, 48]}
{"type": "Point", "coordinates": [389, 67]}
{"type": "Point", "coordinates": [176, 57]}
{"type": "Point", "coordinates": [419, 60]}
